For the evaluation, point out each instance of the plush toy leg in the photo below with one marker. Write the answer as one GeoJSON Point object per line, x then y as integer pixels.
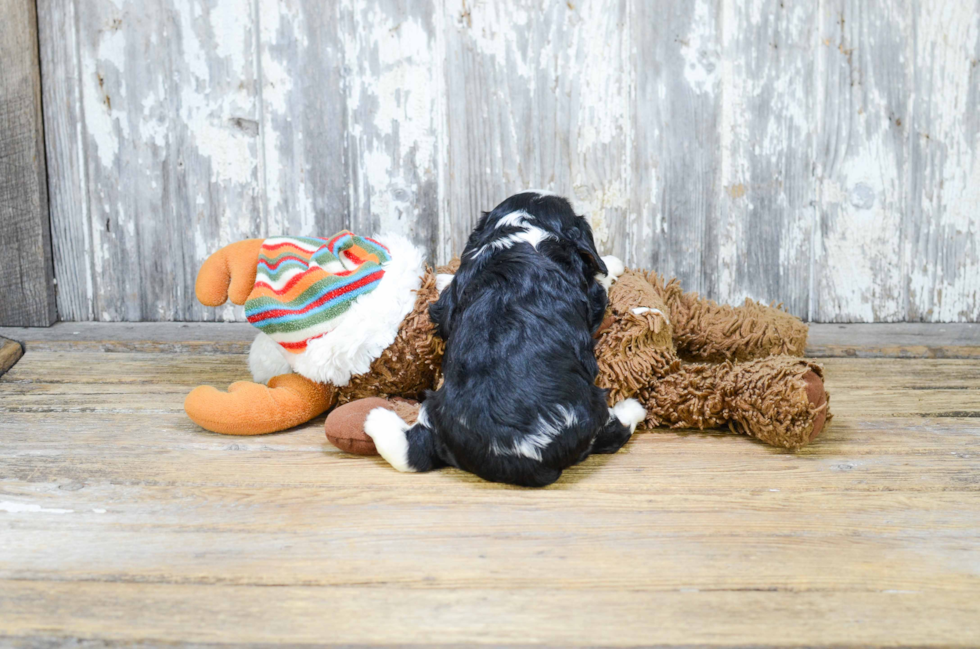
{"type": "Point", "coordinates": [230, 272]}
{"type": "Point", "coordinates": [706, 331]}
{"type": "Point", "coordinates": [345, 424]}
{"type": "Point", "coordinates": [780, 400]}
{"type": "Point", "coordinates": [253, 409]}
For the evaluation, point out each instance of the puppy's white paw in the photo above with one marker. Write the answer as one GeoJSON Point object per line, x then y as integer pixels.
{"type": "Point", "coordinates": [388, 432]}
{"type": "Point", "coordinates": [615, 268]}
{"type": "Point", "coordinates": [614, 265]}
{"type": "Point", "coordinates": [442, 281]}
{"type": "Point", "coordinates": [629, 412]}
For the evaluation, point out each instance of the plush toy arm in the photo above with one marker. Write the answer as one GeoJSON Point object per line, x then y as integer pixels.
{"type": "Point", "coordinates": [228, 272]}
{"type": "Point", "coordinates": [780, 400]}
{"type": "Point", "coordinates": [710, 332]}
{"type": "Point", "coordinates": [253, 409]}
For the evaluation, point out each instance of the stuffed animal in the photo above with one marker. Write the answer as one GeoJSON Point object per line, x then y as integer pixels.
{"type": "Point", "coordinates": [344, 322]}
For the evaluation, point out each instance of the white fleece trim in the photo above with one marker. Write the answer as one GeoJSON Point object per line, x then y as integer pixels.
{"type": "Point", "coordinates": [370, 325]}
{"type": "Point", "coordinates": [266, 359]}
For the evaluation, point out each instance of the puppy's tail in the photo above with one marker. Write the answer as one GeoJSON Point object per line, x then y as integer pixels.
{"type": "Point", "coordinates": [407, 448]}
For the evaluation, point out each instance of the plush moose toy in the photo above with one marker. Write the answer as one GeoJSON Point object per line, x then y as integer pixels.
{"type": "Point", "coordinates": [344, 325]}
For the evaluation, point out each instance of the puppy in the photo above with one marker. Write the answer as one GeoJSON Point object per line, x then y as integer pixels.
{"type": "Point", "coordinates": [519, 402]}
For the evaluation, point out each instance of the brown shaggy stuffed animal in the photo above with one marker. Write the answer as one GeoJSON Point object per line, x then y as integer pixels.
{"type": "Point", "coordinates": [690, 362]}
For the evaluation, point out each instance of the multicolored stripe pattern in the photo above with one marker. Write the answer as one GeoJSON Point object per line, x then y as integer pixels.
{"type": "Point", "coordinates": [303, 283]}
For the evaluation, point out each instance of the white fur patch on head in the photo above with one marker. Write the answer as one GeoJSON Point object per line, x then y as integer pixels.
{"type": "Point", "coordinates": [266, 359]}
{"type": "Point", "coordinates": [442, 281]}
{"type": "Point", "coordinates": [545, 430]}
{"type": "Point", "coordinates": [531, 234]}
{"type": "Point", "coordinates": [387, 430]}
{"type": "Point", "coordinates": [629, 412]}
{"type": "Point", "coordinates": [369, 325]}
{"type": "Point", "coordinates": [516, 219]}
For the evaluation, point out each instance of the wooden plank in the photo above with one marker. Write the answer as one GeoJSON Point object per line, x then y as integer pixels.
{"type": "Point", "coordinates": [177, 338]}
{"type": "Point", "coordinates": [942, 388]}
{"type": "Point", "coordinates": [942, 262]}
{"type": "Point", "coordinates": [120, 613]}
{"type": "Point", "coordinates": [124, 522]}
{"type": "Point", "coordinates": [759, 243]}
{"type": "Point", "coordinates": [538, 97]}
{"type": "Point", "coordinates": [27, 283]}
{"type": "Point", "coordinates": [169, 143]}
{"type": "Point", "coordinates": [64, 128]}
{"type": "Point", "coordinates": [862, 162]}
{"type": "Point", "coordinates": [885, 340]}
{"type": "Point", "coordinates": [393, 62]}
{"type": "Point", "coordinates": [894, 340]}
{"type": "Point", "coordinates": [676, 136]}
{"type": "Point", "coordinates": [304, 134]}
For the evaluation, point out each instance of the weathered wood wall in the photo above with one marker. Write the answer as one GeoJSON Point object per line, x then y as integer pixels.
{"type": "Point", "coordinates": [825, 154]}
{"type": "Point", "coordinates": [27, 292]}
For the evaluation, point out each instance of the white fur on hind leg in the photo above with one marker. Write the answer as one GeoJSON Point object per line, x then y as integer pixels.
{"type": "Point", "coordinates": [629, 412]}
{"type": "Point", "coordinates": [265, 359]}
{"type": "Point", "coordinates": [388, 432]}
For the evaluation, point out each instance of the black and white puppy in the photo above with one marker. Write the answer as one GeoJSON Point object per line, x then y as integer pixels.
{"type": "Point", "coordinates": [519, 402]}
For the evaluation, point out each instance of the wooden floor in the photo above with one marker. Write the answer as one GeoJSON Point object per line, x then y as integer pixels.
{"type": "Point", "coordinates": [124, 523]}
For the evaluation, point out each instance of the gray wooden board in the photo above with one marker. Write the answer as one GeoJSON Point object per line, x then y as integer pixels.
{"type": "Point", "coordinates": [27, 294]}
{"type": "Point", "coordinates": [823, 155]}
{"type": "Point", "coordinates": [906, 340]}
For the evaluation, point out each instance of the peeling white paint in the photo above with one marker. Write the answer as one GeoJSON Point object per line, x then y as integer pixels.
{"type": "Point", "coordinates": [746, 133]}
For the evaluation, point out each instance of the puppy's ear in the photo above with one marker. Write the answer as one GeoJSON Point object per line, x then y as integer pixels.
{"type": "Point", "coordinates": [584, 243]}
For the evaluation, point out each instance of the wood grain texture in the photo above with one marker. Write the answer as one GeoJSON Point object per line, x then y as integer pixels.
{"type": "Point", "coordinates": [942, 224]}
{"type": "Point", "coordinates": [759, 244]}
{"type": "Point", "coordinates": [884, 340]}
{"type": "Point", "coordinates": [538, 96]}
{"type": "Point", "coordinates": [122, 522]}
{"type": "Point", "coordinates": [676, 136]}
{"type": "Point", "coordinates": [862, 161]}
{"type": "Point", "coordinates": [303, 106]}
{"type": "Point", "coordinates": [822, 155]}
{"type": "Point", "coordinates": [27, 293]}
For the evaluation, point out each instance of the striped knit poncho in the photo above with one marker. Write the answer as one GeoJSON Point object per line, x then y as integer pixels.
{"type": "Point", "coordinates": [303, 284]}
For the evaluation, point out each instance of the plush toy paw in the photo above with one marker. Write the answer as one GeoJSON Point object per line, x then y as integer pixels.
{"type": "Point", "coordinates": [253, 409]}
{"type": "Point", "coordinates": [230, 272]}
{"type": "Point", "coordinates": [345, 425]}
{"type": "Point", "coordinates": [780, 400]}
{"type": "Point", "coordinates": [817, 396]}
